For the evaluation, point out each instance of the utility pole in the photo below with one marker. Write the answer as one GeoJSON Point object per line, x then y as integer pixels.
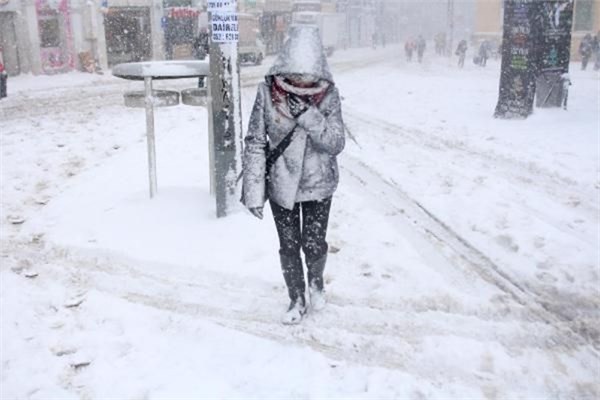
{"type": "Point", "coordinates": [224, 105]}
{"type": "Point", "coordinates": [450, 24]}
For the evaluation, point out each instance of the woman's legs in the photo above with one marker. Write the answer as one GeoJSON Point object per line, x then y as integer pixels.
{"type": "Point", "coordinates": [310, 236]}
{"type": "Point", "coordinates": [315, 217]}
{"type": "Point", "coordinates": [287, 223]}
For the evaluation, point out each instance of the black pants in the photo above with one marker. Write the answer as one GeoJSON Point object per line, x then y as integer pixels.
{"type": "Point", "coordinates": [308, 235]}
{"type": "Point", "coordinates": [3, 84]}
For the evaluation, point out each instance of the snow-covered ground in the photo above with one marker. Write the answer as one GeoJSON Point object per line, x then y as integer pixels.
{"type": "Point", "coordinates": [464, 261]}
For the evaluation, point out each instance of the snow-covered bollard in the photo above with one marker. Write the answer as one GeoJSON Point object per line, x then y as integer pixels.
{"type": "Point", "coordinates": [194, 97]}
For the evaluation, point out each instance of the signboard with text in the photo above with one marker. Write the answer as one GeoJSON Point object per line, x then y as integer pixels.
{"type": "Point", "coordinates": [224, 27]}
{"type": "Point", "coordinates": [221, 5]}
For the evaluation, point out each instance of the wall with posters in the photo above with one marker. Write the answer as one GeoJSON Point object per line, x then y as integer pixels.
{"type": "Point", "coordinates": [553, 46]}
{"type": "Point", "coordinates": [519, 59]}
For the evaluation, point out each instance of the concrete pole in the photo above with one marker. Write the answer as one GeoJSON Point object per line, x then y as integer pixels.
{"type": "Point", "coordinates": [450, 43]}
{"type": "Point", "coordinates": [77, 10]}
{"type": "Point", "coordinates": [156, 30]}
{"type": "Point", "coordinates": [29, 29]}
{"type": "Point", "coordinates": [225, 123]}
{"type": "Point", "coordinates": [100, 34]}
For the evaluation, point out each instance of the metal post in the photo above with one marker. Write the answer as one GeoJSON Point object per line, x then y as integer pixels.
{"type": "Point", "coordinates": [225, 121]}
{"type": "Point", "coordinates": [150, 135]}
{"type": "Point", "coordinates": [211, 138]}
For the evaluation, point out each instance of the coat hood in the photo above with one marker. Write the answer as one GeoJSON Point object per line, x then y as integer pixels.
{"type": "Point", "coordinates": [302, 53]}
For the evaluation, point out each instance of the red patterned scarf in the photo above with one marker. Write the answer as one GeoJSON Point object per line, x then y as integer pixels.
{"type": "Point", "coordinates": [280, 89]}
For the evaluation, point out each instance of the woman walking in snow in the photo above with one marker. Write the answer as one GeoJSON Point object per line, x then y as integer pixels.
{"type": "Point", "coordinates": [294, 135]}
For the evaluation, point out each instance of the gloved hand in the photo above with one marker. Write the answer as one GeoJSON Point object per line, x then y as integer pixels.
{"type": "Point", "coordinates": [297, 105]}
{"type": "Point", "coordinates": [257, 212]}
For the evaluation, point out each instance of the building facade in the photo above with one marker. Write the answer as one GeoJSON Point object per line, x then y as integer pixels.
{"type": "Point", "coordinates": [586, 19]}
{"type": "Point", "coordinates": [48, 36]}
{"type": "Point", "coordinates": [489, 19]}
{"type": "Point", "coordinates": [53, 36]}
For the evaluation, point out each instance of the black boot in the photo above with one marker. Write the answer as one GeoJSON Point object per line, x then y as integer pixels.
{"type": "Point", "coordinates": [294, 279]}
{"type": "Point", "coordinates": [315, 282]}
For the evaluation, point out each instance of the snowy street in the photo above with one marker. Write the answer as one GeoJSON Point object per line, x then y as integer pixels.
{"type": "Point", "coordinates": [464, 258]}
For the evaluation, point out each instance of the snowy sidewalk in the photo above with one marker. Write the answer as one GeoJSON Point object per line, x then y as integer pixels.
{"type": "Point", "coordinates": [146, 299]}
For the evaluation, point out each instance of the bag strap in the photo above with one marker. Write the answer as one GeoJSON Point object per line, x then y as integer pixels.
{"type": "Point", "coordinates": [274, 154]}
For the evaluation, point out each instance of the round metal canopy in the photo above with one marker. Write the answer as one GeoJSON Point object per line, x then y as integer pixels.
{"type": "Point", "coordinates": [162, 69]}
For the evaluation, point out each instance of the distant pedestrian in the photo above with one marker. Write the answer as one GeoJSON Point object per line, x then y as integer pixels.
{"type": "Point", "coordinates": [294, 135]}
{"type": "Point", "coordinates": [409, 48]}
{"type": "Point", "coordinates": [596, 50]}
{"type": "Point", "coordinates": [3, 79]}
{"type": "Point", "coordinates": [421, 45]}
{"type": "Point", "coordinates": [200, 50]}
{"type": "Point", "coordinates": [461, 52]}
{"type": "Point", "coordinates": [565, 83]}
{"type": "Point", "coordinates": [585, 50]}
{"type": "Point", "coordinates": [374, 40]}
{"type": "Point", "coordinates": [440, 44]}
{"type": "Point", "coordinates": [200, 45]}
{"type": "Point", "coordinates": [484, 53]}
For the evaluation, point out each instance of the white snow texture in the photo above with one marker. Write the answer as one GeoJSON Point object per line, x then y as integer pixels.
{"type": "Point", "coordinates": [463, 259]}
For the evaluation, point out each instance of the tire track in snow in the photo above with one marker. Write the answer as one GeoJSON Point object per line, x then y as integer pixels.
{"type": "Point", "coordinates": [582, 314]}
{"type": "Point", "coordinates": [547, 182]}
{"type": "Point", "coordinates": [466, 256]}
{"type": "Point", "coordinates": [380, 337]}
{"type": "Point", "coordinates": [371, 343]}
{"type": "Point", "coordinates": [111, 265]}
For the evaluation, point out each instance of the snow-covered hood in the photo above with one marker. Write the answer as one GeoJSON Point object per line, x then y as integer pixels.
{"type": "Point", "coordinates": [302, 53]}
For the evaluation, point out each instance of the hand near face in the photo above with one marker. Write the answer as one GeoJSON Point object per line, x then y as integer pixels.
{"type": "Point", "coordinates": [297, 105]}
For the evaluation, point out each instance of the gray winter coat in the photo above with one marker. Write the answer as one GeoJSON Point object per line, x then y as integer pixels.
{"type": "Point", "coordinates": [308, 169]}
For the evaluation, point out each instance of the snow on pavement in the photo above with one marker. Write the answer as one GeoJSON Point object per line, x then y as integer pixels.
{"type": "Point", "coordinates": [106, 294]}
{"type": "Point", "coordinates": [525, 193]}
